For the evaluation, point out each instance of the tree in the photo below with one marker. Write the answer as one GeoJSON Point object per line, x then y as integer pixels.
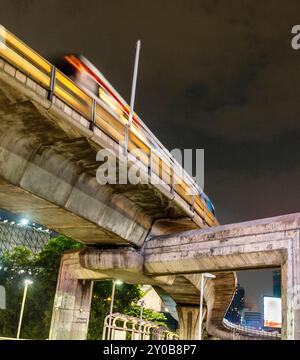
{"type": "Point", "coordinates": [17, 265]}
{"type": "Point", "coordinates": [125, 295]}
{"type": "Point", "coordinates": [20, 263]}
{"type": "Point", "coordinates": [148, 314]}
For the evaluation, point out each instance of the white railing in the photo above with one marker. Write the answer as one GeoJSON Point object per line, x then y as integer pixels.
{"type": "Point", "coordinates": [249, 331]}
{"type": "Point", "coordinates": [125, 327]}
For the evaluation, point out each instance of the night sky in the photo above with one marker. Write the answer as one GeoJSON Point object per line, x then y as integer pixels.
{"type": "Point", "coordinates": [218, 75]}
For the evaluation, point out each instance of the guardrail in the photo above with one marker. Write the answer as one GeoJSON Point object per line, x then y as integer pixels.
{"type": "Point", "coordinates": [125, 327]}
{"type": "Point", "coordinates": [248, 331]}
{"type": "Point", "coordinates": [108, 119]}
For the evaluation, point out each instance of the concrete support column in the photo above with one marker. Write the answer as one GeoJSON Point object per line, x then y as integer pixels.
{"type": "Point", "coordinates": [188, 322]}
{"type": "Point", "coordinates": [71, 310]}
{"type": "Point", "coordinates": [290, 288]}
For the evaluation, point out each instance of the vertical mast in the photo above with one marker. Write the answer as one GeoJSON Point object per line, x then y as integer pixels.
{"type": "Point", "coordinates": [136, 65]}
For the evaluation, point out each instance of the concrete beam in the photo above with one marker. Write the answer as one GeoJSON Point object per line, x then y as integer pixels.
{"type": "Point", "coordinates": [48, 171]}
{"type": "Point", "coordinates": [254, 244]}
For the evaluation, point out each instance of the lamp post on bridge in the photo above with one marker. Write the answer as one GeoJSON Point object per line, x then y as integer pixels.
{"type": "Point", "coordinates": [133, 88]}
{"type": "Point", "coordinates": [203, 275]}
{"type": "Point", "coordinates": [132, 97]}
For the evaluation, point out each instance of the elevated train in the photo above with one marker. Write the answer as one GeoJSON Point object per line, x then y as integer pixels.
{"type": "Point", "coordinates": [89, 78]}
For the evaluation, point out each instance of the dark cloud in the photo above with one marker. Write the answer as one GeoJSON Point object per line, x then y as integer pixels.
{"type": "Point", "coordinates": [219, 75]}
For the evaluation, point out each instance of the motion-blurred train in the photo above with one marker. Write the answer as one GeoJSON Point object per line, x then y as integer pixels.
{"type": "Point", "coordinates": [85, 74]}
{"type": "Point", "coordinates": [90, 79]}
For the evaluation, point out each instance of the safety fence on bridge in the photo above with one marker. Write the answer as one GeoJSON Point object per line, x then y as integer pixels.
{"type": "Point", "coordinates": [125, 327]}
{"type": "Point", "coordinates": [107, 118]}
{"type": "Point", "coordinates": [250, 331]}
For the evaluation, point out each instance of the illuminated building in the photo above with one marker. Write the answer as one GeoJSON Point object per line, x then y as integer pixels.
{"type": "Point", "coordinates": [234, 313]}
{"type": "Point", "coordinates": [253, 319]}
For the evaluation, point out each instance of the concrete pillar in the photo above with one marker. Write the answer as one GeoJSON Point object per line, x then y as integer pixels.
{"type": "Point", "coordinates": [188, 322]}
{"type": "Point", "coordinates": [290, 289]}
{"type": "Point", "coordinates": [71, 310]}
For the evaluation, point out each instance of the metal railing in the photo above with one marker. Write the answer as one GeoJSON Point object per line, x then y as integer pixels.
{"type": "Point", "coordinates": [125, 327]}
{"type": "Point", "coordinates": [249, 331]}
{"type": "Point", "coordinates": [110, 120]}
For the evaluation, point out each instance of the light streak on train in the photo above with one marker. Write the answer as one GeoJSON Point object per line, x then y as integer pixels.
{"type": "Point", "coordinates": [78, 83]}
{"type": "Point", "coordinates": [88, 77]}
{"type": "Point", "coordinates": [85, 74]}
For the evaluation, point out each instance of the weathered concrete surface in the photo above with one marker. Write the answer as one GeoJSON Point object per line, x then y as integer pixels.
{"type": "Point", "coordinates": [173, 263]}
{"type": "Point", "coordinates": [254, 244]}
{"type": "Point", "coordinates": [218, 294]}
{"type": "Point", "coordinates": [48, 171]}
{"type": "Point", "coordinates": [71, 309]}
{"type": "Point", "coordinates": [127, 264]}
{"type": "Point", "coordinates": [189, 322]}
{"type": "Point", "coordinates": [78, 269]}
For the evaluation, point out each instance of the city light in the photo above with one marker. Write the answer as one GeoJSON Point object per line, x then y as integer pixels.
{"type": "Point", "coordinates": [24, 221]}
{"type": "Point", "coordinates": [208, 275]}
{"type": "Point", "coordinates": [28, 282]}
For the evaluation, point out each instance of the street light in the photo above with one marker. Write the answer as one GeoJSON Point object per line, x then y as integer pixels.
{"type": "Point", "coordinates": [27, 282]}
{"type": "Point", "coordinates": [24, 221]}
{"type": "Point", "coordinates": [135, 71]}
{"type": "Point", "coordinates": [114, 283]}
{"type": "Point", "coordinates": [142, 304]}
{"type": "Point", "coordinates": [203, 275]}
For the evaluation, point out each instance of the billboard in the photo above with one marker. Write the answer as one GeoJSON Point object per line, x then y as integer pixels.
{"type": "Point", "coordinates": [272, 312]}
